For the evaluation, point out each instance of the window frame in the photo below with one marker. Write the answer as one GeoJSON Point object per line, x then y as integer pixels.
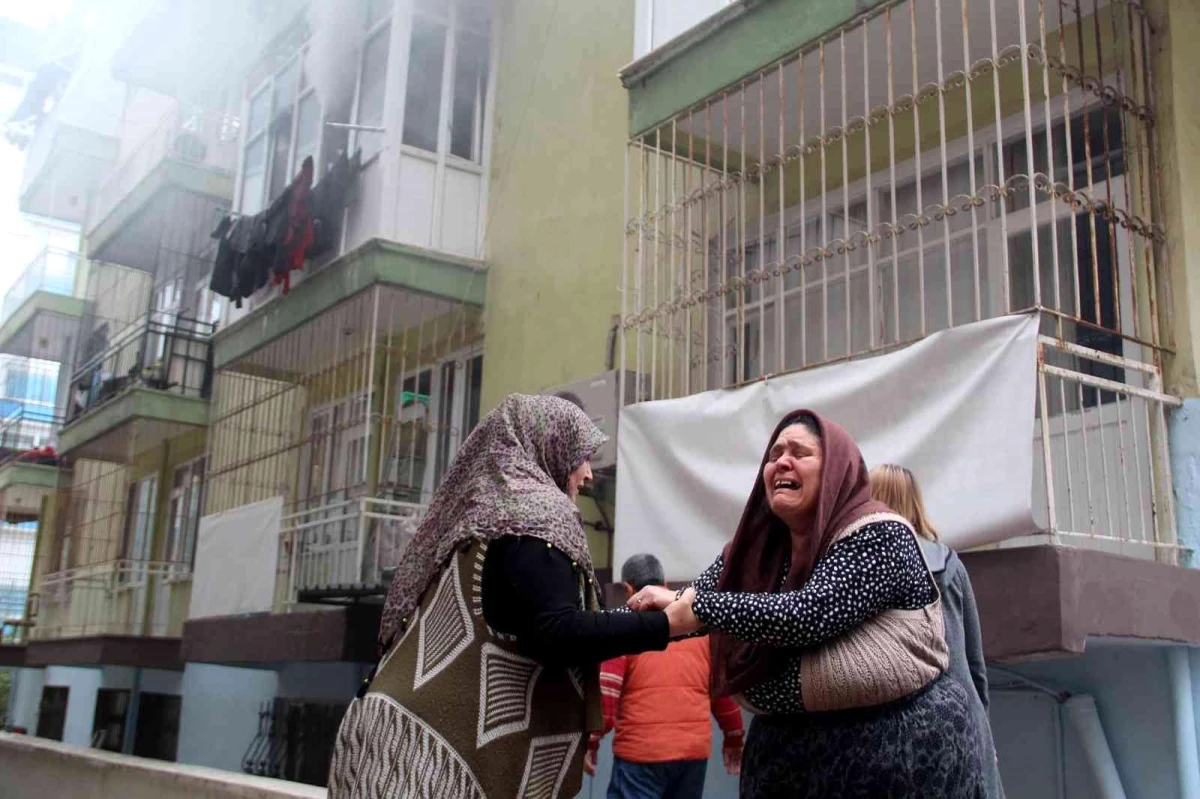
{"type": "Point", "coordinates": [454, 32]}
{"type": "Point", "coordinates": [992, 239]}
{"type": "Point", "coordinates": [182, 542]}
{"type": "Point", "coordinates": [266, 88]}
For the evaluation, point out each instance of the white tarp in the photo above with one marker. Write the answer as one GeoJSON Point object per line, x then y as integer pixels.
{"type": "Point", "coordinates": [236, 557]}
{"type": "Point", "coordinates": [957, 408]}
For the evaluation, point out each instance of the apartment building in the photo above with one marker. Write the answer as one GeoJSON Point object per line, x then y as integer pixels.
{"type": "Point", "coordinates": [780, 185]}
{"type": "Point", "coordinates": [811, 183]}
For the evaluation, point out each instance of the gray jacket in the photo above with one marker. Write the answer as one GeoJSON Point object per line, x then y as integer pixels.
{"type": "Point", "coordinates": [965, 643]}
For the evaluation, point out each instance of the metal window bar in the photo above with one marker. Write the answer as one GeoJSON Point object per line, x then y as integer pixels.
{"type": "Point", "coordinates": [1029, 125]}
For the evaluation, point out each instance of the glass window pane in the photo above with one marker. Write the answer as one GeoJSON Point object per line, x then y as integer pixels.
{"type": "Point", "coordinates": [259, 110]}
{"type": "Point", "coordinates": [470, 92]}
{"type": "Point", "coordinates": [287, 83]}
{"type": "Point", "coordinates": [308, 127]}
{"type": "Point", "coordinates": [281, 151]}
{"type": "Point", "coordinates": [422, 100]}
{"type": "Point", "coordinates": [371, 92]}
{"type": "Point", "coordinates": [253, 178]}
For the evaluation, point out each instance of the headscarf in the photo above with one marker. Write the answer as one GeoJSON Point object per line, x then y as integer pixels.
{"type": "Point", "coordinates": [508, 478]}
{"type": "Point", "coordinates": [763, 543]}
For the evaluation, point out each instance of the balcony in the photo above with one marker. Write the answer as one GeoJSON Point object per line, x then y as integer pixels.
{"type": "Point", "coordinates": [64, 163]}
{"type": "Point", "coordinates": [342, 549]}
{"type": "Point", "coordinates": [105, 599]}
{"type": "Point", "coordinates": [28, 462]}
{"type": "Point", "coordinates": [141, 390]}
{"type": "Point", "coordinates": [183, 168]}
{"type": "Point", "coordinates": [41, 312]}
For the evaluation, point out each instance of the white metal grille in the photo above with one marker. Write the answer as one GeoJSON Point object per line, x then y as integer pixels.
{"type": "Point", "coordinates": [930, 163]}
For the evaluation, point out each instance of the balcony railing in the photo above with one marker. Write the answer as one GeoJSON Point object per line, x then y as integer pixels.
{"type": "Point", "coordinates": [1102, 472]}
{"type": "Point", "coordinates": [343, 547]}
{"type": "Point", "coordinates": [198, 137]}
{"type": "Point", "coordinates": [52, 270]}
{"type": "Point", "coordinates": [164, 352]}
{"type": "Point", "coordinates": [103, 599]}
{"type": "Point", "coordinates": [30, 435]}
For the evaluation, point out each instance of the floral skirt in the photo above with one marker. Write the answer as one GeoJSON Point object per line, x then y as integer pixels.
{"type": "Point", "coordinates": [925, 746]}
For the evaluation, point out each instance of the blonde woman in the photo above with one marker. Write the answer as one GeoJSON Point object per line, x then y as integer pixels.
{"type": "Point", "coordinates": [896, 487]}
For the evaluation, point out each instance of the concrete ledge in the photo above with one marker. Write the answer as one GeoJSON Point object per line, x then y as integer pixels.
{"type": "Point", "coordinates": [12, 655]}
{"type": "Point", "coordinates": [35, 768]}
{"type": "Point", "coordinates": [106, 650]}
{"type": "Point", "coordinates": [344, 634]}
{"type": "Point", "coordinates": [84, 437]}
{"type": "Point", "coordinates": [376, 261]}
{"type": "Point", "coordinates": [38, 302]}
{"type": "Point", "coordinates": [1046, 601]}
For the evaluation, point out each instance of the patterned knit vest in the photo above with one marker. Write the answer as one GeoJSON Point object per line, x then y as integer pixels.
{"type": "Point", "coordinates": [455, 710]}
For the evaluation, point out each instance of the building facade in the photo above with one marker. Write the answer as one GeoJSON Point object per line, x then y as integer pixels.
{"type": "Point", "coordinates": [777, 186]}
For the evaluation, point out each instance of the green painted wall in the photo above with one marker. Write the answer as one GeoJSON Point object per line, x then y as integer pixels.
{"type": "Point", "coordinates": [553, 237]}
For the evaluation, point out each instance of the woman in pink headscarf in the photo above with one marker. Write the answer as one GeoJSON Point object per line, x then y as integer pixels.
{"type": "Point", "coordinates": [825, 623]}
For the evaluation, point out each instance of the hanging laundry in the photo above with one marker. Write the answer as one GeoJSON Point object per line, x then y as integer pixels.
{"type": "Point", "coordinates": [298, 235]}
{"type": "Point", "coordinates": [301, 223]}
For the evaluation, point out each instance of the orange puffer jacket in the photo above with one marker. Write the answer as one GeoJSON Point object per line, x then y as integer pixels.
{"type": "Point", "coordinates": [665, 708]}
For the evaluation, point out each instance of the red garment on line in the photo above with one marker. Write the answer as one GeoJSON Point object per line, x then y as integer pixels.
{"type": "Point", "coordinates": [300, 231]}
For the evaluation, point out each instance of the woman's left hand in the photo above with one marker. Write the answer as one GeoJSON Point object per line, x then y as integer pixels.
{"type": "Point", "coordinates": [680, 618]}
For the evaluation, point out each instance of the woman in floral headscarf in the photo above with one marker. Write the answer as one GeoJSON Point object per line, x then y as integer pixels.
{"type": "Point", "coordinates": [491, 632]}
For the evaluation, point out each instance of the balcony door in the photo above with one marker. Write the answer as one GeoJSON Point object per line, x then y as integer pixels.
{"type": "Point", "coordinates": [435, 409]}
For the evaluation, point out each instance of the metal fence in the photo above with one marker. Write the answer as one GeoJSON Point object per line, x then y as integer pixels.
{"type": "Point", "coordinates": [110, 598]}
{"type": "Point", "coordinates": [165, 352]}
{"type": "Point", "coordinates": [27, 432]}
{"type": "Point", "coordinates": [344, 546]}
{"type": "Point", "coordinates": [929, 164]}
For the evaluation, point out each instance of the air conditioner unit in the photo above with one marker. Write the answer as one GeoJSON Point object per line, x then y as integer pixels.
{"type": "Point", "coordinates": [599, 398]}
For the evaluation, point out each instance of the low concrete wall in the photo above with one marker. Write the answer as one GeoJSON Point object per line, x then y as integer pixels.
{"type": "Point", "coordinates": [34, 768]}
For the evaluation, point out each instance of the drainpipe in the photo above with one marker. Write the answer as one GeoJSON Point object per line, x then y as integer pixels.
{"type": "Point", "coordinates": [1081, 715]}
{"type": "Point", "coordinates": [1179, 668]}
{"type": "Point", "coordinates": [131, 714]}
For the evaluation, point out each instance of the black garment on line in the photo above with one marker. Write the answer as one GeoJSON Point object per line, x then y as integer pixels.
{"type": "Point", "coordinates": [532, 591]}
{"type": "Point", "coordinates": [250, 248]}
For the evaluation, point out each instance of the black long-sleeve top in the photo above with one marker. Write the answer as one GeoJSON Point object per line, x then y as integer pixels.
{"type": "Point", "coordinates": [532, 591]}
{"type": "Point", "coordinates": [877, 568]}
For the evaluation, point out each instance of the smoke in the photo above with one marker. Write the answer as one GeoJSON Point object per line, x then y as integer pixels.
{"type": "Point", "coordinates": [334, 52]}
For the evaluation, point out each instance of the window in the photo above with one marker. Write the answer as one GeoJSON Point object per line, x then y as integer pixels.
{"type": "Point", "coordinates": [372, 87]}
{"type": "Point", "coordinates": [254, 161]}
{"type": "Point", "coordinates": [423, 94]}
{"type": "Point", "coordinates": [335, 465]}
{"type": "Point", "coordinates": [448, 66]}
{"type": "Point", "coordinates": [187, 501]}
{"type": "Point", "coordinates": [436, 410]}
{"type": "Point", "coordinates": [139, 521]}
{"type": "Point", "coordinates": [52, 713]}
{"type": "Point", "coordinates": [108, 724]}
{"type": "Point", "coordinates": [157, 733]}
{"type": "Point", "coordinates": [284, 128]}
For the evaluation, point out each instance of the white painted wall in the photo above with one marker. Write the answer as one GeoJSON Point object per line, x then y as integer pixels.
{"type": "Point", "coordinates": [1129, 682]}
{"type": "Point", "coordinates": [81, 701]}
{"type": "Point", "coordinates": [26, 698]}
{"type": "Point", "coordinates": [219, 717]}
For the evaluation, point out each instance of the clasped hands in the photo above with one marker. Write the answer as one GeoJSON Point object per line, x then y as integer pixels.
{"type": "Point", "coordinates": [680, 618]}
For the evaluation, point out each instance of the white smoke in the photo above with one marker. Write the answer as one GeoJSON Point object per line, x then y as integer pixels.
{"type": "Point", "coordinates": [334, 52]}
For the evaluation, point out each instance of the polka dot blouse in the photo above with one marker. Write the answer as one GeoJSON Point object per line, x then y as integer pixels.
{"type": "Point", "coordinates": [877, 568]}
